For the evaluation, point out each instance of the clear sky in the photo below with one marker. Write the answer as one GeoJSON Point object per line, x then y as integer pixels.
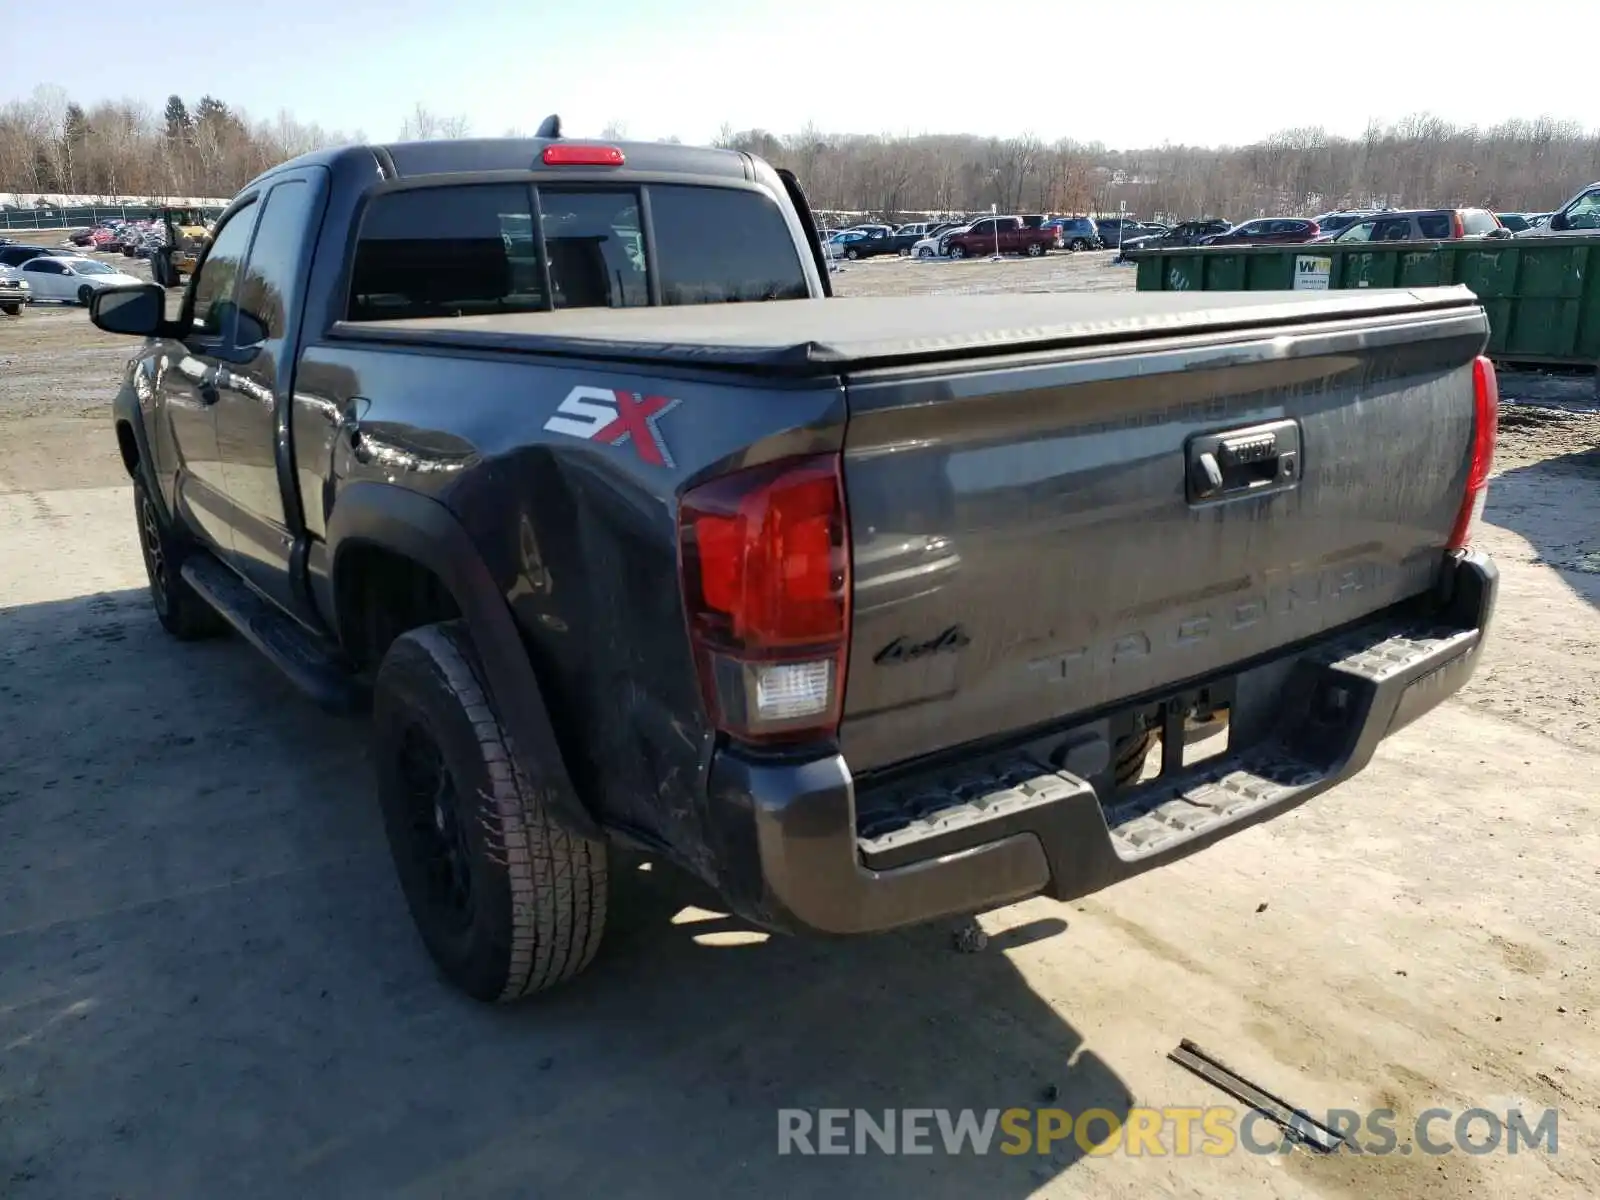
{"type": "Point", "coordinates": [1223, 71]}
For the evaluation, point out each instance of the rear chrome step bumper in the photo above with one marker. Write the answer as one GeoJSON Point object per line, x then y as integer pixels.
{"type": "Point", "coordinates": [1011, 826]}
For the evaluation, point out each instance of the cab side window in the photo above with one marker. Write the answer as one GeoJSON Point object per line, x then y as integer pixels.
{"type": "Point", "coordinates": [217, 280]}
{"type": "Point", "coordinates": [263, 293]}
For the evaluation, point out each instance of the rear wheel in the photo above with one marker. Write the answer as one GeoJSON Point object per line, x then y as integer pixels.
{"type": "Point", "coordinates": [507, 901]}
{"type": "Point", "coordinates": [851, 255]}
{"type": "Point", "coordinates": [178, 606]}
{"type": "Point", "coordinates": [1079, 244]}
{"type": "Point", "coordinates": [1035, 249]}
{"type": "Point", "coordinates": [10, 310]}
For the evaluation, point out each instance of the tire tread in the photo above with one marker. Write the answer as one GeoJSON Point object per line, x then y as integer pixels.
{"type": "Point", "coordinates": [557, 881]}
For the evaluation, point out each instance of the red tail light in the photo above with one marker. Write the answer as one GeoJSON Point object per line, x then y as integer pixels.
{"type": "Point", "coordinates": [1485, 426]}
{"type": "Point", "coordinates": [1458, 228]}
{"type": "Point", "coordinates": [576, 154]}
{"type": "Point", "coordinates": [765, 561]}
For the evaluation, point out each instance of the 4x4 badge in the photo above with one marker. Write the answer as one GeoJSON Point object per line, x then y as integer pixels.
{"type": "Point", "coordinates": [903, 650]}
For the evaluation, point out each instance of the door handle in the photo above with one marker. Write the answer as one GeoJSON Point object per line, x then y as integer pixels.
{"type": "Point", "coordinates": [1252, 461]}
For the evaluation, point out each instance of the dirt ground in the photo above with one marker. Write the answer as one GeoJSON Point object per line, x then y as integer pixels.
{"type": "Point", "coordinates": [209, 984]}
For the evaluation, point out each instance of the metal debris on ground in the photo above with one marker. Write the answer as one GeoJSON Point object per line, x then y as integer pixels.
{"type": "Point", "coordinates": [1295, 1122]}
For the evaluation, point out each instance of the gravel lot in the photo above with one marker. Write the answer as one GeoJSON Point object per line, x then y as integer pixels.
{"type": "Point", "coordinates": [209, 985]}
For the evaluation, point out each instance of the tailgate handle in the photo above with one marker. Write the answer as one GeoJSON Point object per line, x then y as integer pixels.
{"type": "Point", "coordinates": [1243, 462]}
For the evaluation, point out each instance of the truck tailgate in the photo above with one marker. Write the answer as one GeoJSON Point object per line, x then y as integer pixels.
{"type": "Point", "coordinates": [1042, 536]}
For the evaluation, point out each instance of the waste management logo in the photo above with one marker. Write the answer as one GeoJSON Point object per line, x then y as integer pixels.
{"type": "Point", "coordinates": [1176, 1132]}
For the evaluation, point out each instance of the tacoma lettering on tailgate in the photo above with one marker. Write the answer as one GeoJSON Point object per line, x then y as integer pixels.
{"type": "Point", "coordinates": [1180, 630]}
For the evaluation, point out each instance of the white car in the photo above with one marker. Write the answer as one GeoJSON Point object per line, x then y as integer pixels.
{"type": "Point", "coordinates": [72, 280]}
{"type": "Point", "coordinates": [1581, 214]}
{"type": "Point", "coordinates": [933, 247]}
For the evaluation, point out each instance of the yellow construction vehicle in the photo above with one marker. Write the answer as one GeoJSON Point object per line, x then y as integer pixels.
{"type": "Point", "coordinates": [187, 235]}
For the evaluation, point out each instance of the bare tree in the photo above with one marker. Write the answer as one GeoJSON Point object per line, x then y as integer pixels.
{"type": "Point", "coordinates": [424, 125]}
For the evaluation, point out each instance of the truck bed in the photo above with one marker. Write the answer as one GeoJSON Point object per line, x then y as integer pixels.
{"type": "Point", "coordinates": [1027, 543]}
{"type": "Point", "coordinates": [820, 337]}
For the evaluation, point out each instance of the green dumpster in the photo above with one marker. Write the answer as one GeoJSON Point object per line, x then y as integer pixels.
{"type": "Point", "coordinates": [1542, 294]}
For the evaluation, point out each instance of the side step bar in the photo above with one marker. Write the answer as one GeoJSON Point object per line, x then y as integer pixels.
{"type": "Point", "coordinates": [311, 664]}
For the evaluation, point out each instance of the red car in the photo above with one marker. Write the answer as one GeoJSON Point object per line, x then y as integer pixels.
{"type": "Point", "coordinates": [1267, 231]}
{"type": "Point", "coordinates": [1003, 235]}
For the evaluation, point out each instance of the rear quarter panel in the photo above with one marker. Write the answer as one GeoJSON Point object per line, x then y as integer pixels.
{"type": "Point", "coordinates": [580, 535]}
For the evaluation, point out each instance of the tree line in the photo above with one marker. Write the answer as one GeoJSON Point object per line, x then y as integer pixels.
{"type": "Point", "coordinates": [51, 144]}
{"type": "Point", "coordinates": [1420, 161]}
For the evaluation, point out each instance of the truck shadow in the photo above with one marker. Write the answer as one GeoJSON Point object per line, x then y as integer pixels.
{"type": "Point", "coordinates": [1555, 505]}
{"type": "Point", "coordinates": [209, 983]}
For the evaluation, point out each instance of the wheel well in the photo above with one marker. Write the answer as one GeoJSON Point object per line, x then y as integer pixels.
{"type": "Point", "coordinates": [381, 594]}
{"type": "Point", "coordinates": [129, 447]}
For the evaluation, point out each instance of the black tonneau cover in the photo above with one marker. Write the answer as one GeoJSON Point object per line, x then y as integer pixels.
{"type": "Point", "coordinates": [826, 336]}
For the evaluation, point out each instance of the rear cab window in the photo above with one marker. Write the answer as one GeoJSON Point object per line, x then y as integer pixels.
{"type": "Point", "coordinates": [474, 249]}
{"type": "Point", "coordinates": [1478, 221]}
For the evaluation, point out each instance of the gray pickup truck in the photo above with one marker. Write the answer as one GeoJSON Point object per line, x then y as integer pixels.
{"type": "Point", "coordinates": [867, 612]}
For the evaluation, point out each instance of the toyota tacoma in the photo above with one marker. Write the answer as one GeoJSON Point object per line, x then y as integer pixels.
{"type": "Point", "coordinates": [560, 457]}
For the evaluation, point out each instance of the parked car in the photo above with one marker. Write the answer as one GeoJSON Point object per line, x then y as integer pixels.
{"type": "Point", "coordinates": [1581, 214]}
{"type": "Point", "coordinates": [936, 244]}
{"type": "Point", "coordinates": [81, 237]}
{"type": "Point", "coordinates": [16, 255]}
{"type": "Point", "coordinates": [1423, 225]}
{"type": "Point", "coordinates": [1113, 229]}
{"type": "Point", "coordinates": [1265, 231]}
{"type": "Point", "coordinates": [906, 236]}
{"type": "Point", "coordinates": [71, 279]}
{"type": "Point", "coordinates": [1184, 233]}
{"type": "Point", "coordinates": [861, 243]}
{"type": "Point", "coordinates": [1001, 235]}
{"type": "Point", "coordinates": [656, 575]}
{"type": "Point", "coordinates": [1076, 233]}
{"type": "Point", "coordinates": [1330, 223]}
{"type": "Point", "coordinates": [14, 291]}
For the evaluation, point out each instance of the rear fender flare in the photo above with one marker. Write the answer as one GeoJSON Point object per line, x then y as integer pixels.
{"type": "Point", "coordinates": [125, 410]}
{"type": "Point", "coordinates": [428, 533]}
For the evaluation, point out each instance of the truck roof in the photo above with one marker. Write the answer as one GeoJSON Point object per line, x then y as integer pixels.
{"type": "Point", "coordinates": [813, 337]}
{"type": "Point", "coordinates": [466, 156]}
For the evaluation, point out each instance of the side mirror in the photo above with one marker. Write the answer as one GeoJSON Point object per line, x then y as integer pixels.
{"type": "Point", "coordinates": [139, 310]}
{"type": "Point", "coordinates": [1558, 221]}
{"type": "Point", "coordinates": [248, 330]}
